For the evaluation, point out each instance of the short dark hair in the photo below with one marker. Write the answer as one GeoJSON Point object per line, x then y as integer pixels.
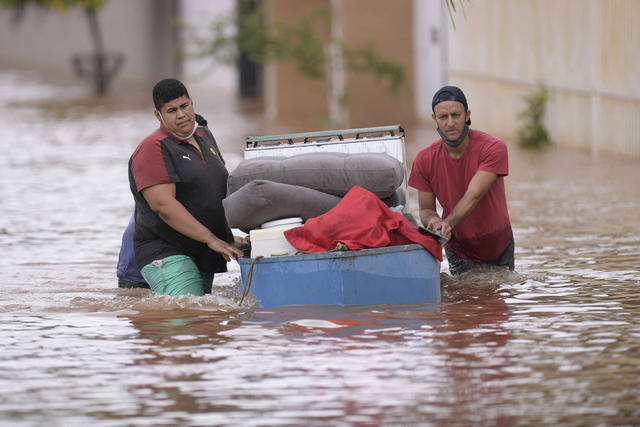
{"type": "Point", "coordinates": [166, 90]}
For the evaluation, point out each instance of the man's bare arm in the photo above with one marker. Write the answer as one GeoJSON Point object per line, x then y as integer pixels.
{"type": "Point", "coordinates": [427, 206]}
{"type": "Point", "coordinates": [162, 200]}
{"type": "Point", "coordinates": [478, 187]}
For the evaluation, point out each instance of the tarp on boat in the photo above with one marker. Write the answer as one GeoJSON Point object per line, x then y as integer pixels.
{"type": "Point", "coordinates": [360, 221]}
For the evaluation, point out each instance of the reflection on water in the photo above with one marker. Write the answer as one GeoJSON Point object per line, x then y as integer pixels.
{"type": "Point", "coordinates": [555, 343]}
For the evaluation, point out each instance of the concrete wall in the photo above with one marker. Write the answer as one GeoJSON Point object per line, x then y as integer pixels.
{"type": "Point", "coordinates": [289, 95]}
{"type": "Point", "coordinates": [46, 40]}
{"type": "Point", "coordinates": [430, 22]}
{"type": "Point", "coordinates": [584, 52]}
{"type": "Point", "coordinates": [387, 25]}
{"type": "Point", "coordinates": [205, 71]}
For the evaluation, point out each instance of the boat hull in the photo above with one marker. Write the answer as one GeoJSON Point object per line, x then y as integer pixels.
{"type": "Point", "coordinates": [403, 274]}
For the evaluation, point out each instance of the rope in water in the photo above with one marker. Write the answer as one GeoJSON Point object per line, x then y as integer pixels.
{"type": "Point", "coordinates": [247, 283]}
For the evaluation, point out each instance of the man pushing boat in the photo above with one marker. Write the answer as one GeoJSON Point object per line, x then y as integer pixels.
{"type": "Point", "coordinates": [464, 171]}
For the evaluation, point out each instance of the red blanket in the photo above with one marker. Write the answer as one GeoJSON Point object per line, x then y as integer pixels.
{"type": "Point", "coordinates": [360, 220]}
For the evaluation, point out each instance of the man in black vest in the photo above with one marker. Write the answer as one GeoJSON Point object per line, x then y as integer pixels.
{"type": "Point", "coordinates": [178, 180]}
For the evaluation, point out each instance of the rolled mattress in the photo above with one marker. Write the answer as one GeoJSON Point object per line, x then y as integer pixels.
{"type": "Point", "coordinates": [331, 173]}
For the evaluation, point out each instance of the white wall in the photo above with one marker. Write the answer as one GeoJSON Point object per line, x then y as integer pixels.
{"type": "Point", "coordinates": [430, 50]}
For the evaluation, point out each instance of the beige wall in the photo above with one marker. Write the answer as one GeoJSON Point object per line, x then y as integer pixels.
{"type": "Point", "coordinates": [386, 24]}
{"type": "Point", "coordinates": [585, 52]}
{"type": "Point", "coordinates": [289, 95]}
{"type": "Point", "coordinates": [46, 40]}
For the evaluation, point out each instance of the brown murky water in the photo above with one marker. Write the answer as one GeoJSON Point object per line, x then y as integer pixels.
{"type": "Point", "coordinates": [555, 343]}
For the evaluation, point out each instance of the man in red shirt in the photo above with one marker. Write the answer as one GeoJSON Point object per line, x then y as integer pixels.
{"type": "Point", "coordinates": [464, 171]}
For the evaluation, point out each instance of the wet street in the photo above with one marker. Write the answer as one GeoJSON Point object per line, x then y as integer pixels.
{"type": "Point", "coordinates": [557, 342]}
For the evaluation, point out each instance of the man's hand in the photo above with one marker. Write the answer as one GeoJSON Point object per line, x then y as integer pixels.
{"type": "Point", "coordinates": [429, 216]}
{"type": "Point", "coordinates": [228, 250]}
{"type": "Point", "coordinates": [436, 223]}
{"type": "Point", "coordinates": [239, 241]}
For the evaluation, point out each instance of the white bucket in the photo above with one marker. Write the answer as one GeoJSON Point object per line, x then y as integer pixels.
{"type": "Point", "coordinates": [269, 240]}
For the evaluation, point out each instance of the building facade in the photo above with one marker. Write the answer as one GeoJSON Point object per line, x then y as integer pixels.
{"type": "Point", "coordinates": [584, 52]}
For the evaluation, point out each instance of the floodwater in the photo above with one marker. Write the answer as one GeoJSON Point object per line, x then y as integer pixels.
{"type": "Point", "coordinates": [555, 343]}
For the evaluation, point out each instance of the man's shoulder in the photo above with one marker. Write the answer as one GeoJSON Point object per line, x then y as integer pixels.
{"type": "Point", "coordinates": [431, 150]}
{"type": "Point", "coordinates": [154, 139]}
{"type": "Point", "coordinates": [204, 132]}
{"type": "Point", "coordinates": [484, 137]}
{"type": "Point", "coordinates": [487, 143]}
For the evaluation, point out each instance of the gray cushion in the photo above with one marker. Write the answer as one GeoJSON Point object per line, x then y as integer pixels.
{"type": "Point", "coordinates": [332, 173]}
{"type": "Point", "coordinates": [260, 201]}
{"type": "Point", "coordinates": [399, 197]}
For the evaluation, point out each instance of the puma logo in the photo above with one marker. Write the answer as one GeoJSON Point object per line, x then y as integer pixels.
{"type": "Point", "coordinates": [187, 157]}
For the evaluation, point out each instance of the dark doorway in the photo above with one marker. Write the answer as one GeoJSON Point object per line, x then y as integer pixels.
{"type": "Point", "coordinates": [249, 72]}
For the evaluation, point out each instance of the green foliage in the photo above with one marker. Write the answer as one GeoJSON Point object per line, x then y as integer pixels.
{"type": "Point", "coordinates": [298, 42]}
{"type": "Point", "coordinates": [291, 42]}
{"type": "Point", "coordinates": [451, 7]}
{"type": "Point", "coordinates": [533, 133]}
{"type": "Point", "coordinates": [365, 60]}
{"type": "Point", "coordinates": [59, 5]}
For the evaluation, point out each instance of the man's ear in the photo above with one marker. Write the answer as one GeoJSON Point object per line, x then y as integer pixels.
{"type": "Point", "coordinates": [157, 114]}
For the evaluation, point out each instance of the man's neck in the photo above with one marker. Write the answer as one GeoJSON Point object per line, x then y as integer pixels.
{"type": "Point", "coordinates": [193, 142]}
{"type": "Point", "coordinates": [456, 152]}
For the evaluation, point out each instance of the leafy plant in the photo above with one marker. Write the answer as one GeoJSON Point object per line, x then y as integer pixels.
{"type": "Point", "coordinates": [59, 5]}
{"type": "Point", "coordinates": [533, 132]}
{"type": "Point", "coordinates": [451, 7]}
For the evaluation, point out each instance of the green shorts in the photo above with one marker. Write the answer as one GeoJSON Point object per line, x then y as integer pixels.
{"type": "Point", "coordinates": [177, 275]}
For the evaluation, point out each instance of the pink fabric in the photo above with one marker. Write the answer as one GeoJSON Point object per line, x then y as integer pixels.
{"type": "Point", "coordinates": [360, 220]}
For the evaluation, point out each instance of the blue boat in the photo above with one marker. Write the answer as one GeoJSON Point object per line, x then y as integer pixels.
{"type": "Point", "coordinates": [405, 274]}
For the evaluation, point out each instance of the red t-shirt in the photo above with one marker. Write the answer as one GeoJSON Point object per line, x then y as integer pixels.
{"type": "Point", "coordinates": [485, 233]}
